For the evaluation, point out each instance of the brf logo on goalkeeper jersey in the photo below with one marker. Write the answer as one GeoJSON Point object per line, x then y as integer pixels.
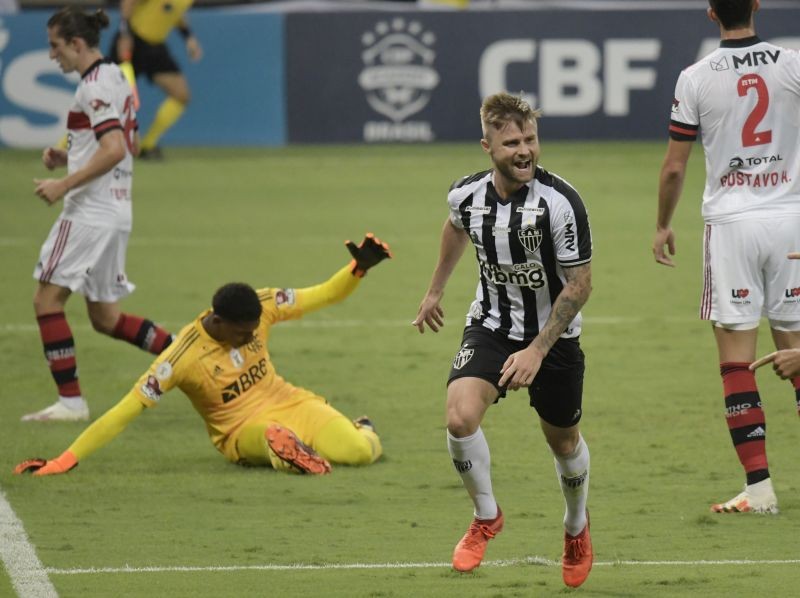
{"type": "Point", "coordinates": [245, 381]}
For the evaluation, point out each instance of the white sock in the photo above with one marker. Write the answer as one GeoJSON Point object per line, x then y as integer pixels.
{"type": "Point", "coordinates": [72, 402]}
{"type": "Point", "coordinates": [573, 475]}
{"type": "Point", "coordinates": [472, 461]}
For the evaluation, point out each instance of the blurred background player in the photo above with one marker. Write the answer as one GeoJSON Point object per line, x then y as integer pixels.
{"type": "Point", "coordinates": [85, 251]}
{"type": "Point", "coordinates": [744, 97]}
{"type": "Point", "coordinates": [533, 244]}
{"type": "Point", "coordinates": [144, 28]}
{"type": "Point", "coordinates": [222, 364]}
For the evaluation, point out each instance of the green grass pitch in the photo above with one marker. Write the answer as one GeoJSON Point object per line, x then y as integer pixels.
{"type": "Point", "coordinates": [159, 513]}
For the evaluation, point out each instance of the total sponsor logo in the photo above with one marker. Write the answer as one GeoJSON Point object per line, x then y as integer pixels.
{"type": "Point", "coordinates": [529, 274]}
{"type": "Point", "coordinates": [739, 296]}
{"type": "Point", "coordinates": [736, 162]}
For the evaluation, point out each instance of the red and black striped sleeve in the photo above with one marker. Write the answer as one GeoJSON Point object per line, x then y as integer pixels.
{"type": "Point", "coordinates": [682, 132]}
{"type": "Point", "coordinates": [104, 127]}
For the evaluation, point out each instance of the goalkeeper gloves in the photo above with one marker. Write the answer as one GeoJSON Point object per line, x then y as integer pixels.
{"type": "Point", "coordinates": [40, 467]}
{"type": "Point", "coordinates": [370, 252]}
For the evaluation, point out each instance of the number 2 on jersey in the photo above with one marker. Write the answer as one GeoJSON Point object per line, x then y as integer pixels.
{"type": "Point", "coordinates": [750, 136]}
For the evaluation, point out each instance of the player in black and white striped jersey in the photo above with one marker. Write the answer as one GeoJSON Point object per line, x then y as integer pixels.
{"type": "Point", "coordinates": [522, 246]}
{"type": "Point", "coordinates": [533, 245]}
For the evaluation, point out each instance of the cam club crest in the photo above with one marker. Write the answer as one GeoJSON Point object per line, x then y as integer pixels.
{"type": "Point", "coordinates": [462, 357]}
{"type": "Point", "coordinates": [530, 237]}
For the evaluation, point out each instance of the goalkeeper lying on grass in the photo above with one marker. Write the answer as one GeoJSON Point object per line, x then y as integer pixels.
{"type": "Point", "coordinates": [253, 416]}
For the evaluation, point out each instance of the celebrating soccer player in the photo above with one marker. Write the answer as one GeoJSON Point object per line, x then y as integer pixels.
{"type": "Point", "coordinates": [744, 97]}
{"type": "Point", "coordinates": [221, 362]}
{"type": "Point", "coordinates": [533, 244]}
{"type": "Point", "coordinates": [85, 251]}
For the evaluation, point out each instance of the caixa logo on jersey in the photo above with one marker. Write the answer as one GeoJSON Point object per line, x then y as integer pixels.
{"type": "Point", "coordinates": [398, 79]}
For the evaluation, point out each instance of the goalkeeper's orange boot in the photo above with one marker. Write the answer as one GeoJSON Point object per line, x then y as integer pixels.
{"type": "Point", "coordinates": [292, 451]}
{"type": "Point", "coordinates": [578, 556]}
{"type": "Point", "coordinates": [469, 551]}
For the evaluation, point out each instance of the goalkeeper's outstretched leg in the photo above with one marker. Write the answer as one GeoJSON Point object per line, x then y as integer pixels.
{"type": "Point", "coordinates": [348, 442]}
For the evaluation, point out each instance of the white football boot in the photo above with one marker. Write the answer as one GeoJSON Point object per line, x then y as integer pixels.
{"type": "Point", "coordinates": [60, 412]}
{"type": "Point", "coordinates": [756, 498]}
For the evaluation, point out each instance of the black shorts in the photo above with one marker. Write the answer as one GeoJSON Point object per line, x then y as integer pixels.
{"type": "Point", "coordinates": [557, 390]}
{"type": "Point", "coordinates": [148, 59]}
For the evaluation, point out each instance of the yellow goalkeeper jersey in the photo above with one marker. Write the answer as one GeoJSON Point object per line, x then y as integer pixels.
{"type": "Point", "coordinates": [231, 386]}
{"type": "Point", "coordinates": [152, 20]}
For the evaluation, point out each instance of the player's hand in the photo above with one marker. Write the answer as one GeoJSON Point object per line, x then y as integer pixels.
{"type": "Point", "coordinates": [40, 467]}
{"type": "Point", "coordinates": [785, 363]}
{"type": "Point", "coordinates": [430, 312]}
{"type": "Point", "coordinates": [370, 252]}
{"type": "Point", "coordinates": [53, 157]}
{"type": "Point", "coordinates": [664, 236]}
{"type": "Point", "coordinates": [193, 48]}
{"type": "Point", "coordinates": [50, 190]}
{"type": "Point", "coordinates": [521, 368]}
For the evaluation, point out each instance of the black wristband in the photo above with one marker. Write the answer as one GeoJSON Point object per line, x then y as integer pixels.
{"type": "Point", "coordinates": [184, 31]}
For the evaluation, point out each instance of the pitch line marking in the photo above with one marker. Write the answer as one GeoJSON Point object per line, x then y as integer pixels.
{"type": "Point", "coordinates": [27, 574]}
{"type": "Point", "coordinates": [533, 560]}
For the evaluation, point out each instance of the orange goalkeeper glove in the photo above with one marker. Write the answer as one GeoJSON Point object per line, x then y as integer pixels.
{"type": "Point", "coordinates": [39, 467]}
{"type": "Point", "coordinates": [370, 252]}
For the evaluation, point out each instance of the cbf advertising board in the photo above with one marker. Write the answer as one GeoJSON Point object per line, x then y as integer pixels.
{"type": "Point", "coordinates": [421, 76]}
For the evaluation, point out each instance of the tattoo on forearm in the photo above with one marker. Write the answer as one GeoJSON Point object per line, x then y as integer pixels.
{"type": "Point", "coordinates": [567, 305]}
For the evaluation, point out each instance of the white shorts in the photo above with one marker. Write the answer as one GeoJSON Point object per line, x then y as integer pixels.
{"type": "Point", "coordinates": [746, 274]}
{"type": "Point", "coordinates": [85, 259]}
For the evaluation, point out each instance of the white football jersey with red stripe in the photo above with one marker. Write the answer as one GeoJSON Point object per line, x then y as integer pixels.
{"type": "Point", "coordinates": [745, 100]}
{"type": "Point", "coordinates": [103, 103]}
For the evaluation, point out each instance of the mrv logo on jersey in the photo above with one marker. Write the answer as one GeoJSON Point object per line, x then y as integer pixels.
{"type": "Point", "coordinates": [529, 274]}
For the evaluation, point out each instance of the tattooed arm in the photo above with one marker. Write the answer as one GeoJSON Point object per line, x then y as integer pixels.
{"type": "Point", "coordinates": [521, 367]}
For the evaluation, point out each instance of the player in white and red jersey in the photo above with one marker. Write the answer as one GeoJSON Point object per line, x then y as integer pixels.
{"type": "Point", "coordinates": [744, 97]}
{"type": "Point", "coordinates": [85, 251]}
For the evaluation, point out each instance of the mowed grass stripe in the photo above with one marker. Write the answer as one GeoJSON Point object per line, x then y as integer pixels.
{"type": "Point", "coordinates": [533, 560]}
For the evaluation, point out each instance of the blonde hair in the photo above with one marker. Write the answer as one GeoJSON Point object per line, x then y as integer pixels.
{"type": "Point", "coordinates": [502, 108]}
